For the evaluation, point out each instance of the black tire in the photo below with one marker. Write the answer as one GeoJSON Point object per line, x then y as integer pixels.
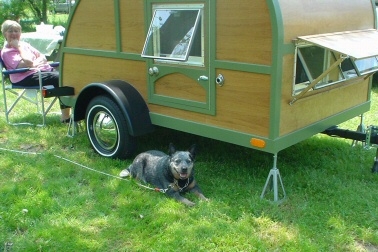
{"type": "Point", "coordinates": [107, 129]}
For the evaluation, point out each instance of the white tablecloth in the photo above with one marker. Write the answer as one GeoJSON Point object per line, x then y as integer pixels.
{"type": "Point", "coordinates": [45, 43]}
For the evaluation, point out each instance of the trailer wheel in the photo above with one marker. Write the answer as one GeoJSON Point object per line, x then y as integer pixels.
{"type": "Point", "coordinates": [107, 129]}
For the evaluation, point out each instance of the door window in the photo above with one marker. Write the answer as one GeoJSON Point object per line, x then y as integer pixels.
{"type": "Point", "coordinates": [175, 35]}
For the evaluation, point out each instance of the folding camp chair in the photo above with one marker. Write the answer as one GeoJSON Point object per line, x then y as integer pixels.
{"type": "Point", "coordinates": [33, 94]}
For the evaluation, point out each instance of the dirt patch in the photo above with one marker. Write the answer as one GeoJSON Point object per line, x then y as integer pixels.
{"type": "Point", "coordinates": [31, 147]}
{"type": "Point", "coordinates": [366, 246]}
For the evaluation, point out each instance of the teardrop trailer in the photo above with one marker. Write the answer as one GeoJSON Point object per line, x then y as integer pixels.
{"type": "Point", "coordinates": [261, 74]}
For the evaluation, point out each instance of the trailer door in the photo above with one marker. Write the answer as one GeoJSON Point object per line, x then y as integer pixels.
{"type": "Point", "coordinates": [176, 49]}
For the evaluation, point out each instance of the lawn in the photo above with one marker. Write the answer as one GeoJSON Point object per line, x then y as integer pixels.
{"type": "Point", "coordinates": [58, 195]}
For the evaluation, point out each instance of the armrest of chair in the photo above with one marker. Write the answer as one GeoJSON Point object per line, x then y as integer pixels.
{"type": "Point", "coordinates": [25, 69]}
{"type": "Point", "coordinates": [54, 64]}
{"type": "Point", "coordinates": [17, 70]}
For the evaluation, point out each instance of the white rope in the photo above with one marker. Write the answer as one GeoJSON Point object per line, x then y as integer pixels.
{"type": "Point", "coordinates": [86, 167]}
{"type": "Point", "coordinates": [21, 152]}
{"type": "Point", "coordinates": [65, 159]}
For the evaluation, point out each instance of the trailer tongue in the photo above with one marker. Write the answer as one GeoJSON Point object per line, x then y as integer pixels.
{"type": "Point", "coordinates": [368, 136]}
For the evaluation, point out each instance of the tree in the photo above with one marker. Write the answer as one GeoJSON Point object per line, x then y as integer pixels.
{"type": "Point", "coordinates": [14, 10]}
{"type": "Point", "coordinates": [25, 9]}
{"type": "Point", "coordinates": [39, 9]}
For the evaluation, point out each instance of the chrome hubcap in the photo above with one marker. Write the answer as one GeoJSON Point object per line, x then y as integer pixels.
{"type": "Point", "coordinates": [105, 130]}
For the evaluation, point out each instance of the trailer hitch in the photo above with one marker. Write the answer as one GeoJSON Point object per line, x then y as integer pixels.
{"type": "Point", "coordinates": [369, 137]}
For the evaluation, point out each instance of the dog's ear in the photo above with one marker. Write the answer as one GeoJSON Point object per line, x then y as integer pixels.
{"type": "Point", "coordinates": [192, 151]}
{"type": "Point", "coordinates": [172, 149]}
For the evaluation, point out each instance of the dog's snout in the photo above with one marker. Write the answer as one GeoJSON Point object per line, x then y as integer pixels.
{"type": "Point", "coordinates": [184, 169]}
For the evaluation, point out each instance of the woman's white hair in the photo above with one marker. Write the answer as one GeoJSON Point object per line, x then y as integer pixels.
{"type": "Point", "coordinates": [9, 24]}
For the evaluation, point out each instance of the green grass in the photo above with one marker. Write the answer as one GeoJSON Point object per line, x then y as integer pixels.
{"type": "Point", "coordinates": [50, 204]}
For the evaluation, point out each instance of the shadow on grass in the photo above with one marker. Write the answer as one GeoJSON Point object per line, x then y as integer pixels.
{"type": "Point", "coordinates": [330, 185]}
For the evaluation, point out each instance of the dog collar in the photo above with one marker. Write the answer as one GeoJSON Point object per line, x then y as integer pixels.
{"type": "Point", "coordinates": [175, 182]}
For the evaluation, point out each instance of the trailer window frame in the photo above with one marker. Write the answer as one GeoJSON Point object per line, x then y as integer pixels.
{"type": "Point", "coordinates": [350, 61]}
{"type": "Point", "coordinates": [305, 71]}
{"type": "Point", "coordinates": [194, 48]}
{"type": "Point", "coordinates": [311, 61]}
{"type": "Point", "coordinates": [365, 68]}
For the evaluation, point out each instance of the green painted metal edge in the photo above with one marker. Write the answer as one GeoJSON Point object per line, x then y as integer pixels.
{"type": "Point", "coordinates": [205, 130]}
{"type": "Point", "coordinates": [104, 53]}
{"type": "Point", "coordinates": [180, 103]}
{"type": "Point", "coordinates": [243, 139]}
{"type": "Point", "coordinates": [277, 64]}
{"type": "Point", "coordinates": [211, 48]}
{"type": "Point", "coordinates": [117, 24]}
{"type": "Point", "coordinates": [244, 67]}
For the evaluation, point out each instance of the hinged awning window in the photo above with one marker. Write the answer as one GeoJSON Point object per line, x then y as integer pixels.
{"type": "Point", "coordinates": [355, 44]}
{"type": "Point", "coordinates": [326, 59]}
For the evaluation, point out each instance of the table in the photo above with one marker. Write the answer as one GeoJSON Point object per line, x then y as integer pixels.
{"type": "Point", "coordinates": [47, 44]}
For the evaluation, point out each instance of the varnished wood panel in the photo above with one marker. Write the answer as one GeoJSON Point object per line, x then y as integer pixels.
{"type": "Point", "coordinates": [180, 86]}
{"type": "Point", "coordinates": [80, 70]}
{"type": "Point", "coordinates": [244, 32]}
{"type": "Point", "coordinates": [92, 26]}
{"type": "Point", "coordinates": [132, 26]}
{"type": "Point", "coordinates": [319, 16]}
{"type": "Point", "coordinates": [244, 101]}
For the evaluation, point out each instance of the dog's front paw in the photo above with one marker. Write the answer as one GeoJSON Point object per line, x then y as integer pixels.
{"type": "Point", "coordinates": [190, 204]}
{"type": "Point", "coordinates": [124, 173]}
{"type": "Point", "coordinates": [201, 196]}
{"type": "Point", "coordinates": [205, 199]}
{"type": "Point", "coordinates": [187, 202]}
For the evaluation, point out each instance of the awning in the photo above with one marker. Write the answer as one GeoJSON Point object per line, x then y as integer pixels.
{"type": "Point", "coordinates": [356, 44]}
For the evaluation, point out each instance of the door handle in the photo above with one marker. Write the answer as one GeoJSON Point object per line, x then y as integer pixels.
{"type": "Point", "coordinates": [203, 78]}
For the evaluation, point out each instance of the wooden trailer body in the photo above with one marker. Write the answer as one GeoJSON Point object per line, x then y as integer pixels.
{"type": "Point", "coordinates": [243, 79]}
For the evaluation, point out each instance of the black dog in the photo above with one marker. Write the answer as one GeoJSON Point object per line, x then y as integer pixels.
{"type": "Point", "coordinates": [173, 173]}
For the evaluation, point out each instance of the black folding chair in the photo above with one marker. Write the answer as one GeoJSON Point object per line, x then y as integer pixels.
{"type": "Point", "coordinates": [33, 94]}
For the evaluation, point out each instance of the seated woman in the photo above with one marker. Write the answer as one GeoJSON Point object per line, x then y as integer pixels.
{"type": "Point", "coordinates": [18, 54]}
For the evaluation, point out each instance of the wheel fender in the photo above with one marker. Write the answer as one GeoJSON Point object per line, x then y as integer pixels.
{"type": "Point", "coordinates": [126, 96]}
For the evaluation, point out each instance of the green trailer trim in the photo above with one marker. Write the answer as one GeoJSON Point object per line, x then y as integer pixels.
{"type": "Point", "coordinates": [244, 67]}
{"type": "Point", "coordinates": [277, 63]}
{"type": "Point", "coordinates": [243, 139]}
{"type": "Point", "coordinates": [117, 22]}
{"type": "Point", "coordinates": [288, 49]}
{"type": "Point", "coordinates": [212, 53]}
{"type": "Point", "coordinates": [193, 106]}
{"type": "Point", "coordinates": [103, 53]}
{"type": "Point", "coordinates": [204, 130]}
